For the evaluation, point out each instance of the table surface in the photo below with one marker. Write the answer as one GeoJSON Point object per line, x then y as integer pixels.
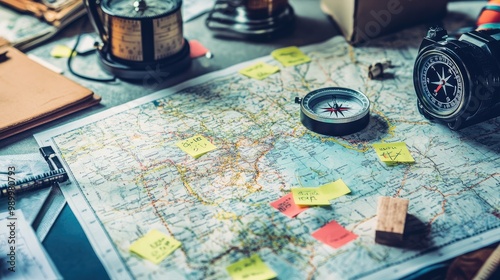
{"type": "Point", "coordinates": [66, 237]}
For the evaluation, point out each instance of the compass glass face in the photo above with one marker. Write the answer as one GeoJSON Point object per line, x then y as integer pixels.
{"type": "Point", "coordinates": [140, 8]}
{"type": "Point", "coordinates": [336, 106]}
{"type": "Point", "coordinates": [441, 84]}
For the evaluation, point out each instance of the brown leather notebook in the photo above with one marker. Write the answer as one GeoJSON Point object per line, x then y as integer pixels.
{"type": "Point", "coordinates": [31, 94]}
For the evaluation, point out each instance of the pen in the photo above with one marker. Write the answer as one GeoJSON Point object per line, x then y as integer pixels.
{"type": "Point", "coordinates": [47, 179]}
{"type": "Point", "coordinates": [44, 180]}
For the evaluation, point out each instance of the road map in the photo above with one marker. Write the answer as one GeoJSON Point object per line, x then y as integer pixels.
{"type": "Point", "coordinates": [128, 176]}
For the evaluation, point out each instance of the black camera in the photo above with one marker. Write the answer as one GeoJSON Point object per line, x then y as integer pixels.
{"type": "Point", "coordinates": [457, 81]}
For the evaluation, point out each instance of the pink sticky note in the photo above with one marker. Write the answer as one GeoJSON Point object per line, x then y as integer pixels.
{"type": "Point", "coordinates": [197, 49]}
{"type": "Point", "coordinates": [287, 206]}
{"type": "Point", "coordinates": [334, 235]}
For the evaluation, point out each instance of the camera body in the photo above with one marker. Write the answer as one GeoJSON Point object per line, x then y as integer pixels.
{"type": "Point", "coordinates": [457, 81]}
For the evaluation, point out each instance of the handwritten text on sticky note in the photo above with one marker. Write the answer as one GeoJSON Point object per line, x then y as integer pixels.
{"type": "Point", "coordinates": [252, 268]}
{"type": "Point", "coordinates": [290, 56]}
{"type": "Point", "coordinates": [334, 235]}
{"type": "Point", "coordinates": [335, 189]}
{"type": "Point", "coordinates": [393, 152]}
{"type": "Point", "coordinates": [259, 71]}
{"type": "Point", "coordinates": [154, 246]}
{"type": "Point", "coordinates": [287, 206]}
{"type": "Point", "coordinates": [309, 196]}
{"type": "Point", "coordinates": [196, 146]}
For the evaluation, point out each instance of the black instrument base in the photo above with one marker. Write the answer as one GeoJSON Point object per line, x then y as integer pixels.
{"type": "Point", "coordinates": [234, 23]}
{"type": "Point", "coordinates": [146, 70]}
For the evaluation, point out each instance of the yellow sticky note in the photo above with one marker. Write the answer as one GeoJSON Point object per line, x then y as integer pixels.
{"type": "Point", "coordinates": [309, 196]}
{"type": "Point", "coordinates": [154, 246]}
{"type": "Point", "coordinates": [259, 70]}
{"type": "Point", "coordinates": [196, 146]}
{"type": "Point", "coordinates": [393, 152]}
{"type": "Point", "coordinates": [61, 51]}
{"type": "Point", "coordinates": [335, 189]}
{"type": "Point", "coordinates": [290, 56]}
{"type": "Point", "coordinates": [252, 268]}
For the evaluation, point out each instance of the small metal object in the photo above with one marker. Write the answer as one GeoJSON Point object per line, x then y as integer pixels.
{"type": "Point", "coordinates": [377, 70]}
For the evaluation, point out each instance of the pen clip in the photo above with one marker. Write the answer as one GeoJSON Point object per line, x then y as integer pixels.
{"type": "Point", "coordinates": [52, 160]}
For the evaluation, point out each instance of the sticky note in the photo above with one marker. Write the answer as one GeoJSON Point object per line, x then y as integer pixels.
{"type": "Point", "coordinates": [154, 246]}
{"type": "Point", "coordinates": [61, 51]}
{"type": "Point", "coordinates": [287, 206]}
{"type": "Point", "coordinates": [335, 189]}
{"type": "Point", "coordinates": [252, 268]}
{"type": "Point", "coordinates": [290, 56]}
{"type": "Point", "coordinates": [309, 196]}
{"type": "Point", "coordinates": [259, 70]}
{"type": "Point", "coordinates": [334, 235]}
{"type": "Point", "coordinates": [196, 49]}
{"type": "Point", "coordinates": [393, 152]}
{"type": "Point", "coordinates": [196, 146]}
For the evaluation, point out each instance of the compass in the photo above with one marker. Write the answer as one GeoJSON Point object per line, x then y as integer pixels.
{"type": "Point", "coordinates": [334, 111]}
{"type": "Point", "coordinates": [441, 84]}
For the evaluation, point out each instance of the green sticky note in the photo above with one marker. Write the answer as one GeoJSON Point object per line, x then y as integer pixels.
{"type": "Point", "coordinates": [290, 56]}
{"type": "Point", "coordinates": [335, 189]}
{"type": "Point", "coordinates": [259, 71]}
{"type": "Point", "coordinates": [155, 246]}
{"type": "Point", "coordinates": [196, 146]}
{"type": "Point", "coordinates": [61, 51]}
{"type": "Point", "coordinates": [309, 196]}
{"type": "Point", "coordinates": [393, 152]}
{"type": "Point", "coordinates": [252, 268]}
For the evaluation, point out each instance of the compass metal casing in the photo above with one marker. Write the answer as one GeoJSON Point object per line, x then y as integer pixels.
{"type": "Point", "coordinates": [336, 119]}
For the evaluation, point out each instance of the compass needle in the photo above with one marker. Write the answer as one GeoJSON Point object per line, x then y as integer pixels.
{"type": "Point", "coordinates": [340, 109]}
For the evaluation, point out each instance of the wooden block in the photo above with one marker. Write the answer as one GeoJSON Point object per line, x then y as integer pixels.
{"type": "Point", "coordinates": [391, 218]}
